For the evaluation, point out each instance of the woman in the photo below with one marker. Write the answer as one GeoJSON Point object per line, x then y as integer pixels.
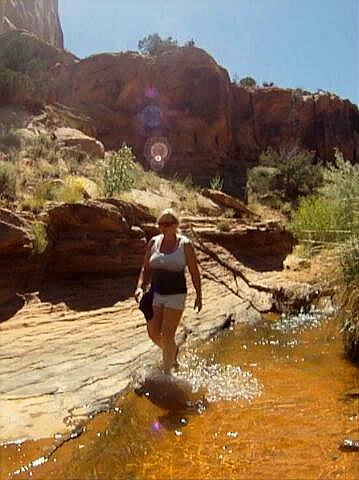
{"type": "Point", "coordinates": [166, 258]}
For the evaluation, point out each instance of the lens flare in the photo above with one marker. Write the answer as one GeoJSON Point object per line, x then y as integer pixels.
{"type": "Point", "coordinates": [151, 92]}
{"type": "Point", "coordinates": [159, 149]}
{"type": "Point", "coordinates": [156, 426]}
{"type": "Point", "coordinates": [157, 152]}
{"type": "Point", "coordinates": [152, 116]}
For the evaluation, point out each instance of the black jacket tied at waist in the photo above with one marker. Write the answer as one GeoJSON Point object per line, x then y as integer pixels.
{"type": "Point", "coordinates": [166, 282]}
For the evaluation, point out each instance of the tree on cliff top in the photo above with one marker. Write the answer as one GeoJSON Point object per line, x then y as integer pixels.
{"type": "Point", "coordinates": [154, 44]}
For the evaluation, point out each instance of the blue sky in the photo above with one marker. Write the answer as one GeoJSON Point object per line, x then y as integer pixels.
{"type": "Point", "coordinates": [309, 44]}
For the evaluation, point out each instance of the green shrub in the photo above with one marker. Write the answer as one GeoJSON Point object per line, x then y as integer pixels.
{"type": "Point", "coordinates": [7, 180]}
{"type": "Point", "coordinates": [155, 45]}
{"type": "Point", "coordinates": [216, 183]}
{"type": "Point", "coordinates": [71, 192]}
{"type": "Point", "coordinates": [119, 175]}
{"type": "Point", "coordinates": [32, 204]}
{"type": "Point", "coordinates": [39, 237]}
{"type": "Point", "coordinates": [39, 146]}
{"type": "Point", "coordinates": [187, 193]}
{"type": "Point", "coordinates": [350, 260]}
{"type": "Point", "coordinates": [319, 220]}
{"type": "Point", "coordinates": [349, 317]}
{"type": "Point", "coordinates": [223, 225]}
{"type": "Point", "coordinates": [22, 70]}
{"type": "Point", "coordinates": [297, 95]}
{"type": "Point", "coordinates": [9, 140]}
{"type": "Point", "coordinates": [332, 215]}
{"type": "Point", "coordinates": [263, 180]}
{"type": "Point", "coordinates": [145, 179]}
{"type": "Point", "coordinates": [245, 81]}
{"type": "Point", "coordinates": [296, 172]}
{"type": "Point", "coordinates": [229, 213]}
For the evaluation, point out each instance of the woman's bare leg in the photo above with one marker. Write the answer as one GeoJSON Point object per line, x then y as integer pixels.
{"type": "Point", "coordinates": [154, 325]}
{"type": "Point", "coordinates": [170, 321]}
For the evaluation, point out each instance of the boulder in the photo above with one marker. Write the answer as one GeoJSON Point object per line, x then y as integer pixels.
{"type": "Point", "coordinates": [71, 137]}
{"type": "Point", "coordinates": [92, 237]}
{"type": "Point", "coordinates": [229, 202]}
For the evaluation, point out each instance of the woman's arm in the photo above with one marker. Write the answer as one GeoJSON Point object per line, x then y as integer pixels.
{"type": "Point", "coordinates": [145, 274]}
{"type": "Point", "coordinates": [192, 263]}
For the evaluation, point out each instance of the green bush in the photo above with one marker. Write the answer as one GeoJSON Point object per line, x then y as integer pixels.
{"type": "Point", "coordinates": [145, 179]}
{"type": "Point", "coordinates": [7, 180]}
{"type": "Point", "coordinates": [216, 183]}
{"type": "Point", "coordinates": [32, 204]}
{"type": "Point", "coordinates": [9, 140]}
{"type": "Point", "coordinates": [350, 260]}
{"type": "Point", "coordinates": [332, 215]}
{"type": "Point", "coordinates": [119, 175]}
{"type": "Point", "coordinates": [286, 174]}
{"type": "Point", "coordinates": [23, 72]}
{"type": "Point", "coordinates": [349, 316]}
{"type": "Point", "coordinates": [223, 225]}
{"type": "Point", "coordinates": [154, 44]}
{"type": "Point", "coordinates": [229, 213]}
{"type": "Point", "coordinates": [247, 82]}
{"type": "Point", "coordinates": [262, 180]}
{"type": "Point", "coordinates": [39, 146]}
{"type": "Point", "coordinates": [39, 237]}
{"type": "Point", "coordinates": [319, 220]}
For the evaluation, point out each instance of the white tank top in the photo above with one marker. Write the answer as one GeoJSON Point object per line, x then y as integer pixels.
{"type": "Point", "coordinates": [175, 261]}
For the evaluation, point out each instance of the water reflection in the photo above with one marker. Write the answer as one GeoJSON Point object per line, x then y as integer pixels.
{"type": "Point", "coordinates": [282, 404]}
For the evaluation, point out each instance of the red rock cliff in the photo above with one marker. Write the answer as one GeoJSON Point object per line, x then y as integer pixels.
{"type": "Point", "coordinates": [181, 95]}
{"type": "Point", "coordinates": [263, 117]}
{"type": "Point", "coordinates": [210, 125]}
{"type": "Point", "coordinates": [36, 16]}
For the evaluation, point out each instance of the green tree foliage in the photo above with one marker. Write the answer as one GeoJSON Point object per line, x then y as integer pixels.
{"type": "Point", "coordinates": [119, 175]}
{"type": "Point", "coordinates": [244, 82]}
{"type": "Point", "coordinates": [23, 72]}
{"type": "Point", "coordinates": [333, 214]}
{"type": "Point", "coordinates": [155, 45]}
{"type": "Point", "coordinates": [285, 175]}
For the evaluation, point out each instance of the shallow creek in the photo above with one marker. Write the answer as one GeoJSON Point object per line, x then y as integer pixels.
{"type": "Point", "coordinates": [280, 400]}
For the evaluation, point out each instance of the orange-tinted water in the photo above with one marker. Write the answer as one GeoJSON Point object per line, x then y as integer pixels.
{"type": "Point", "coordinates": [302, 408]}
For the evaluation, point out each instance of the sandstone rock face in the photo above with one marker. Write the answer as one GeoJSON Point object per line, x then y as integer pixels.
{"type": "Point", "coordinates": [71, 137]}
{"type": "Point", "coordinates": [15, 254]}
{"type": "Point", "coordinates": [181, 98]}
{"type": "Point", "coordinates": [92, 238]}
{"type": "Point", "coordinates": [263, 117]}
{"type": "Point", "coordinates": [102, 238]}
{"type": "Point", "coordinates": [39, 17]}
{"type": "Point", "coordinates": [184, 101]}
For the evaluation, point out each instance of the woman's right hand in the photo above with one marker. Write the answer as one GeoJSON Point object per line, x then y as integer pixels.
{"type": "Point", "coordinates": [138, 294]}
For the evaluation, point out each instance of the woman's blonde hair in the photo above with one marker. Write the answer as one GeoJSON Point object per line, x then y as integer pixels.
{"type": "Point", "coordinates": [170, 212]}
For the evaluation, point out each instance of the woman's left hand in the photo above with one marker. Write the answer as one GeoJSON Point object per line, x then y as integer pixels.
{"type": "Point", "coordinates": [198, 303]}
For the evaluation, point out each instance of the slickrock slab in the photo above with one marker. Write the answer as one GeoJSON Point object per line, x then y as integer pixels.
{"type": "Point", "coordinates": [60, 362]}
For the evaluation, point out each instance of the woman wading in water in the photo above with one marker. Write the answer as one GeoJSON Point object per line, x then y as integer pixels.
{"type": "Point", "coordinates": [166, 258]}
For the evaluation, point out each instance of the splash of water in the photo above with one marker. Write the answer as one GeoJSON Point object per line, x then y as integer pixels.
{"type": "Point", "coordinates": [221, 382]}
{"type": "Point", "coordinates": [298, 322]}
